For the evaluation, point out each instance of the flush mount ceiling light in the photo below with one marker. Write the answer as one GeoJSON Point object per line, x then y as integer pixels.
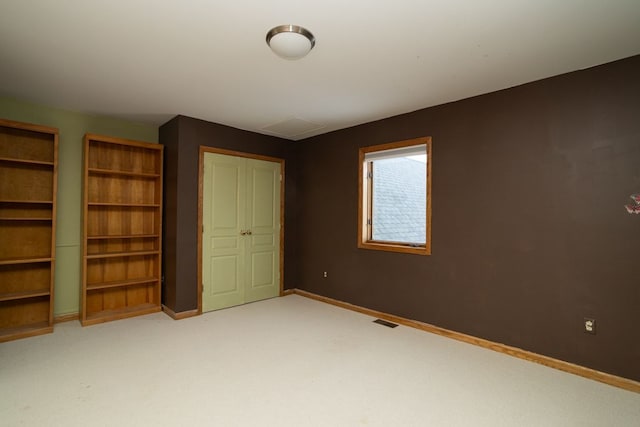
{"type": "Point", "coordinates": [290, 41]}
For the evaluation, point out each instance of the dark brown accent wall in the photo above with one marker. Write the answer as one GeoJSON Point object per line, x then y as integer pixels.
{"type": "Point", "coordinates": [182, 137]}
{"type": "Point", "coordinates": [529, 230]}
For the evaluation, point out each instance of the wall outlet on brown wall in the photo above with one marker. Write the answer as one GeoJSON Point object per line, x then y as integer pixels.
{"type": "Point", "coordinates": [589, 326]}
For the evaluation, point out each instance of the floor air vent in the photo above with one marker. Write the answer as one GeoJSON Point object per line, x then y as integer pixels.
{"type": "Point", "coordinates": [385, 323]}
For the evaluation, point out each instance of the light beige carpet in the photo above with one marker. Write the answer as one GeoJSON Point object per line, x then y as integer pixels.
{"type": "Point", "coordinates": [286, 362]}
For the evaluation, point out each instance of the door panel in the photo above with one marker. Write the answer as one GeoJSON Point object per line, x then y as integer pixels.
{"type": "Point", "coordinates": [262, 194]}
{"type": "Point", "coordinates": [263, 252]}
{"type": "Point", "coordinates": [223, 249]}
{"type": "Point", "coordinates": [261, 269]}
{"type": "Point", "coordinates": [225, 267]}
{"type": "Point", "coordinates": [226, 191]}
{"type": "Point", "coordinates": [240, 195]}
{"type": "Point", "coordinates": [225, 242]}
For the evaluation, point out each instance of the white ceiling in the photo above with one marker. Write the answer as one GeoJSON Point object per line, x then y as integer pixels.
{"type": "Point", "coordinates": [148, 60]}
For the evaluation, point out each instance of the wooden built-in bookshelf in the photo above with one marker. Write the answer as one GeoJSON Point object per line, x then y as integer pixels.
{"type": "Point", "coordinates": [122, 228]}
{"type": "Point", "coordinates": [28, 188]}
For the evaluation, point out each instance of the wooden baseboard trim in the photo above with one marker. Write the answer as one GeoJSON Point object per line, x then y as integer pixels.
{"type": "Point", "coordinates": [550, 362]}
{"type": "Point", "coordinates": [288, 292]}
{"type": "Point", "coordinates": [181, 315]}
{"type": "Point", "coordinates": [66, 318]}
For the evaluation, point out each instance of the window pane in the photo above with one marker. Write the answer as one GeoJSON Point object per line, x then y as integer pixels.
{"type": "Point", "coordinates": [399, 200]}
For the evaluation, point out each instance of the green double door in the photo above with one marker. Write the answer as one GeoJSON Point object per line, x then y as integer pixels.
{"type": "Point", "coordinates": [241, 230]}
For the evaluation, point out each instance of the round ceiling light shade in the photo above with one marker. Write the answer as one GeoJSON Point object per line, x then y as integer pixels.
{"type": "Point", "coordinates": [290, 41]}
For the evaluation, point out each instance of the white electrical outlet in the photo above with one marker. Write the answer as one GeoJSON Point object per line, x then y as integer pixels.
{"type": "Point", "coordinates": [324, 274]}
{"type": "Point", "coordinates": [589, 325]}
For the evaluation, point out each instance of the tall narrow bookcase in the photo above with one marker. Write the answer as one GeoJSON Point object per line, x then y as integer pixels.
{"type": "Point", "coordinates": [28, 187]}
{"type": "Point", "coordinates": [122, 228]}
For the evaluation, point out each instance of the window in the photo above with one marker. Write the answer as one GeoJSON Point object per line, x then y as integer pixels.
{"type": "Point", "coordinates": [394, 209]}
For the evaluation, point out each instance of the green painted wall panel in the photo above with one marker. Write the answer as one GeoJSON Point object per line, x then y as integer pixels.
{"type": "Point", "coordinates": [67, 280]}
{"type": "Point", "coordinates": [72, 127]}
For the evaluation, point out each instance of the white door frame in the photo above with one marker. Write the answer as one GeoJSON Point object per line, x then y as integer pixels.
{"type": "Point", "coordinates": [205, 149]}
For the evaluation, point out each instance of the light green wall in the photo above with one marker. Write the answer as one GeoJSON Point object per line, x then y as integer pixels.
{"type": "Point", "coordinates": [72, 126]}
